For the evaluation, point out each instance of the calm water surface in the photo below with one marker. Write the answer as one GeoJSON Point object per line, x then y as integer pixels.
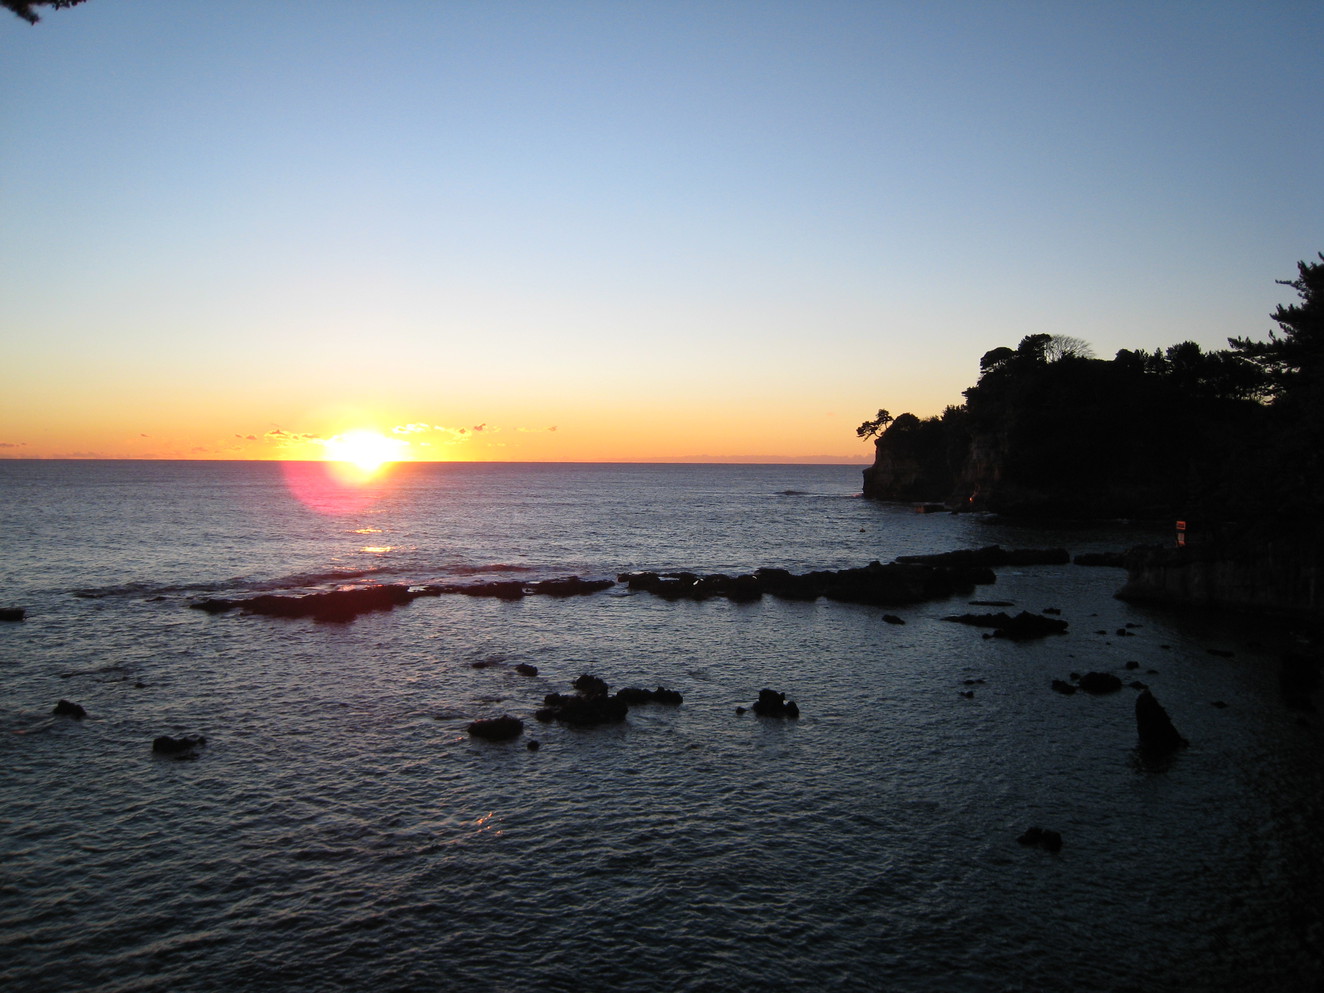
{"type": "Point", "coordinates": [341, 831]}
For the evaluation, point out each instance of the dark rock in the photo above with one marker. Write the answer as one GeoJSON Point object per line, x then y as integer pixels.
{"type": "Point", "coordinates": [525, 669]}
{"type": "Point", "coordinates": [1116, 560]}
{"type": "Point", "coordinates": [1052, 611]}
{"type": "Point", "coordinates": [591, 686]}
{"type": "Point", "coordinates": [634, 696]}
{"type": "Point", "coordinates": [582, 711]}
{"type": "Point", "coordinates": [739, 711]}
{"type": "Point", "coordinates": [508, 589]}
{"type": "Point", "coordinates": [533, 745]}
{"type": "Point", "coordinates": [973, 682]}
{"type": "Point", "coordinates": [185, 747]}
{"type": "Point", "coordinates": [1066, 689]}
{"type": "Point", "coordinates": [503, 728]}
{"type": "Point", "coordinates": [1124, 633]}
{"type": "Point", "coordinates": [992, 603]}
{"type": "Point", "coordinates": [1136, 684]}
{"type": "Point", "coordinates": [12, 613]}
{"type": "Point", "coordinates": [1157, 735]}
{"type": "Point", "coordinates": [1100, 682]}
{"type": "Point", "coordinates": [968, 694]}
{"type": "Point", "coordinates": [1044, 838]}
{"type": "Point", "coordinates": [668, 698]}
{"type": "Point", "coordinates": [1220, 704]}
{"type": "Point", "coordinates": [1023, 627]}
{"type": "Point", "coordinates": [992, 557]}
{"type": "Point", "coordinates": [1133, 665]}
{"type": "Point", "coordinates": [570, 586]}
{"type": "Point", "coordinates": [336, 606]}
{"type": "Point", "coordinates": [1298, 677]}
{"type": "Point", "coordinates": [893, 619]}
{"type": "Point", "coordinates": [65, 708]}
{"type": "Point", "coordinates": [773, 704]}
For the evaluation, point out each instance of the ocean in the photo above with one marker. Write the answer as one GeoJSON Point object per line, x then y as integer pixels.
{"type": "Point", "coordinates": [340, 830]}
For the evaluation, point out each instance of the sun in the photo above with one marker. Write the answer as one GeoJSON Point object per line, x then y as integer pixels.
{"type": "Point", "coordinates": [366, 450]}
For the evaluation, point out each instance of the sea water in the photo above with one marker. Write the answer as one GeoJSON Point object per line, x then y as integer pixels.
{"type": "Point", "coordinates": [341, 831]}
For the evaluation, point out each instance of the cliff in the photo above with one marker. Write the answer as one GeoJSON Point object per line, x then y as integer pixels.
{"type": "Point", "coordinates": [1283, 574]}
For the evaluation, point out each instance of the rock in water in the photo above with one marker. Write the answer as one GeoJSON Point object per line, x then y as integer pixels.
{"type": "Point", "coordinates": [1100, 682]}
{"type": "Point", "coordinates": [503, 728]}
{"type": "Point", "coordinates": [1045, 838]}
{"type": "Point", "coordinates": [1157, 735]}
{"type": "Point", "coordinates": [773, 704]}
{"type": "Point", "coordinates": [67, 709]}
{"type": "Point", "coordinates": [179, 748]}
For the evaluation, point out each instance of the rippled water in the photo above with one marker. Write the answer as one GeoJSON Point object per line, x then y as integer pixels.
{"type": "Point", "coordinates": [341, 831]}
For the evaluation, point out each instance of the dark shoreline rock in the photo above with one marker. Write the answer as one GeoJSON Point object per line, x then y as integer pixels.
{"type": "Point", "coordinates": [1115, 560]}
{"type": "Point", "coordinates": [340, 606]}
{"type": "Point", "coordinates": [66, 708]}
{"type": "Point", "coordinates": [992, 557]}
{"type": "Point", "coordinates": [13, 613]}
{"type": "Point", "coordinates": [876, 584]}
{"type": "Point", "coordinates": [1023, 627]}
{"type": "Point", "coordinates": [1248, 572]}
{"type": "Point", "coordinates": [335, 606]}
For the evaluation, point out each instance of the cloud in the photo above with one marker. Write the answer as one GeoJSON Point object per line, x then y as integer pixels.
{"type": "Point", "coordinates": [280, 436]}
{"type": "Point", "coordinates": [13, 444]}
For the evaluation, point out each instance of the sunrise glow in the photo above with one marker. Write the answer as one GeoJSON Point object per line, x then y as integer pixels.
{"type": "Point", "coordinates": [366, 450]}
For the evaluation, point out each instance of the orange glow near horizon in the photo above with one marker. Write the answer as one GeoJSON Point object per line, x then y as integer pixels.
{"type": "Point", "coordinates": [352, 475]}
{"type": "Point", "coordinates": [364, 450]}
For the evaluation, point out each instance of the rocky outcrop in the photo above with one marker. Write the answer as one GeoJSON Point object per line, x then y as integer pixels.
{"type": "Point", "coordinates": [589, 706]}
{"type": "Point", "coordinates": [635, 696]}
{"type": "Point", "coordinates": [1023, 627]}
{"type": "Point", "coordinates": [336, 606]}
{"type": "Point", "coordinates": [12, 613]}
{"type": "Point", "coordinates": [345, 605]}
{"type": "Point", "coordinates": [773, 704]}
{"type": "Point", "coordinates": [503, 728]}
{"type": "Point", "coordinates": [66, 708]}
{"type": "Point", "coordinates": [1099, 683]}
{"type": "Point", "coordinates": [876, 584]}
{"type": "Point", "coordinates": [992, 557]}
{"type": "Point", "coordinates": [1157, 735]}
{"type": "Point", "coordinates": [1282, 574]}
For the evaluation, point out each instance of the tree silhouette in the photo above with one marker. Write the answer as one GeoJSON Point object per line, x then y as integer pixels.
{"type": "Point", "coordinates": [1294, 360]}
{"type": "Point", "coordinates": [871, 429]}
{"type": "Point", "coordinates": [23, 8]}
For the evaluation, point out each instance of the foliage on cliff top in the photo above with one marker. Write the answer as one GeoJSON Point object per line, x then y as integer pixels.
{"type": "Point", "coordinates": [1049, 429]}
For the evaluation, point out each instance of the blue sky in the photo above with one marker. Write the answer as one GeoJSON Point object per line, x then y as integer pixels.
{"type": "Point", "coordinates": [666, 230]}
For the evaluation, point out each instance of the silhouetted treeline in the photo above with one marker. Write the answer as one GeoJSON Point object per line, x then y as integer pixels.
{"type": "Point", "coordinates": [1048, 430]}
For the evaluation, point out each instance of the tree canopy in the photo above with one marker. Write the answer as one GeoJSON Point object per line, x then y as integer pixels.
{"type": "Point", "coordinates": [23, 8]}
{"type": "Point", "coordinates": [1049, 429]}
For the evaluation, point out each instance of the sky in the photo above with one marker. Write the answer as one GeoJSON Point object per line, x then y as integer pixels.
{"type": "Point", "coordinates": [569, 230]}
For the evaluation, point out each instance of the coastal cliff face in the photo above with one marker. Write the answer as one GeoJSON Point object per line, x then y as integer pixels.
{"type": "Point", "coordinates": [1282, 575]}
{"type": "Point", "coordinates": [912, 462]}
